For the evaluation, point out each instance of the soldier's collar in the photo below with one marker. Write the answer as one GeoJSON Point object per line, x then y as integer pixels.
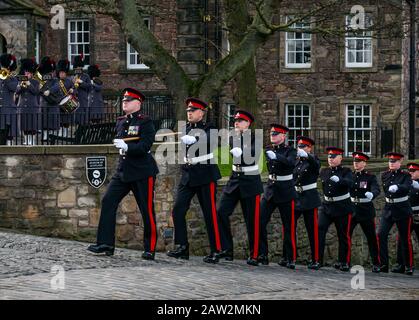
{"type": "Point", "coordinates": [133, 115]}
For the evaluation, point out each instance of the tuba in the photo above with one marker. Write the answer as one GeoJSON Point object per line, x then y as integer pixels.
{"type": "Point", "coordinates": [38, 76]}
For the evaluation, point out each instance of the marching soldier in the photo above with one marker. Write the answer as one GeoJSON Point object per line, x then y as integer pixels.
{"type": "Point", "coordinates": [82, 84]}
{"type": "Point", "coordinates": [136, 172]}
{"type": "Point", "coordinates": [397, 210]}
{"type": "Point", "coordinates": [244, 185]}
{"type": "Point", "coordinates": [280, 193]}
{"type": "Point", "coordinates": [363, 192]}
{"type": "Point", "coordinates": [337, 207]}
{"type": "Point", "coordinates": [8, 85]}
{"type": "Point", "coordinates": [306, 173]}
{"type": "Point", "coordinates": [96, 105]}
{"type": "Point", "coordinates": [199, 177]}
{"type": "Point", "coordinates": [27, 92]}
{"type": "Point", "coordinates": [414, 224]}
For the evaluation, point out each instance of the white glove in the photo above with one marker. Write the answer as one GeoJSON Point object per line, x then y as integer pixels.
{"type": "Point", "coordinates": [236, 152]}
{"type": "Point", "coordinates": [415, 184]}
{"type": "Point", "coordinates": [334, 178]}
{"type": "Point", "coordinates": [393, 188]}
{"type": "Point", "coordinates": [92, 82]}
{"type": "Point", "coordinates": [369, 195]}
{"type": "Point", "coordinates": [46, 93]}
{"type": "Point", "coordinates": [28, 83]}
{"type": "Point", "coordinates": [120, 144]}
{"type": "Point", "coordinates": [188, 139]}
{"type": "Point", "coordinates": [301, 153]}
{"type": "Point", "coordinates": [271, 155]}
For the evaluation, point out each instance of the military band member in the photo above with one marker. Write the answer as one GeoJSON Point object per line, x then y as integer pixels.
{"type": "Point", "coordinates": [27, 92]}
{"type": "Point", "coordinates": [96, 104]}
{"type": "Point", "coordinates": [8, 85]}
{"type": "Point", "coordinates": [82, 85]}
{"type": "Point", "coordinates": [244, 185]}
{"type": "Point", "coordinates": [280, 193]}
{"type": "Point", "coordinates": [199, 177]}
{"type": "Point", "coordinates": [306, 173]}
{"type": "Point", "coordinates": [136, 172]}
{"type": "Point", "coordinates": [397, 210]}
{"type": "Point", "coordinates": [414, 225]}
{"type": "Point", "coordinates": [363, 192]}
{"type": "Point", "coordinates": [337, 207]}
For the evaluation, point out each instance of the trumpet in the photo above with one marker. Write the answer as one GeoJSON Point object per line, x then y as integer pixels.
{"type": "Point", "coordinates": [5, 73]}
{"type": "Point", "coordinates": [23, 79]}
{"type": "Point", "coordinates": [77, 72]}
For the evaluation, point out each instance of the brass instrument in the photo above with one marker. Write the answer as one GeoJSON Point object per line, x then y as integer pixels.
{"type": "Point", "coordinates": [22, 80]}
{"type": "Point", "coordinates": [38, 76]}
{"type": "Point", "coordinates": [5, 73]}
{"type": "Point", "coordinates": [77, 73]}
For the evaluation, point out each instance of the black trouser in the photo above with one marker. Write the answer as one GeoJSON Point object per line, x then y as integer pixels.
{"type": "Point", "coordinates": [415, 228]}
{"type": "Point", "coordinates": [286, 210]}
{"type": "Point", "coordinates": [143, 191]}
{"type": "Point", "coordinates": [404, 227]}
{"type": "Point", "coordinates": [342, 224]}
{"type": "Point", "coordinates": [251, 213]}
{"type": "Point", "coordinates": [311, 221]}
{"type": "Point", "coordinates": [207, 199]}
{"type": "Point", "coordinates": [368, 227]}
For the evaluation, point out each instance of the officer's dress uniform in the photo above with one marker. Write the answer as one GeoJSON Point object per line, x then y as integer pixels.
{"type": "Point", "coordinates": [364, 210]}
{"type": "Point", "coordinates": [397, 210]}
{"type": "Point", "coordinates": [337, 209]}
{"type": "Point", "coordinates": [308, 201]}
{"type": "Point", "coordinates": [28, 105]}
{"type": "Point", "coordinates": [136, 172]}
{"type": "Point", "coordinates": [199, 177]}
{"type": "Point", "coordinates": [8, 109]}
{"type": "Point", "coordinates": [244, 185]}
{"type": "Point", "coordinates": [280, 193]}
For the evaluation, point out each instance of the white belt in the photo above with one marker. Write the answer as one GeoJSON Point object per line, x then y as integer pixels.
{"type": "Point", "coordinates": [306, 187]}
{"type": "Point", "coordinates": [339, 198]}
{"type": "Point", "coordinates": [360, 200]}
{"type": "Point", "coordinates": [245, 169]}
{"type": "Point", "coordinates": [196, 160]}
{"type": "Point", "coordinates": [415, 208]}
{"type": "Point", "coordinates": [388, 200]}
{"type": "Point", "coordinates": [281, 178]}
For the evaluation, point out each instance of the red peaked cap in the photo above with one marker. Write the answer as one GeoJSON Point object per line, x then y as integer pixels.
{"type": "Point", "coordinates": [244, 115]}
{"type": "Point", "coordinates": [334, 150]}
{"type": "Point", "coordinates": [360, 156]}
{"type": "Point", "coordinates": [193, 103]}
{"type": "Point", "coordinates": [305, 140]}
{"type": "Point", "coordinates": [412, 165]}
{"type": "Point", "coordinates": [279, 128]}
{"type": "Point", "coordinates": [133, 93]}
{"type": "Point", "coordinates": [394, 155]}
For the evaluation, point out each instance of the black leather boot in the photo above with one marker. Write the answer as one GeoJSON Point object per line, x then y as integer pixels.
{"type": "Point", "coordinates": [291, 265]}
{"type": "Point", "coordinates": [283, 262]}
{"type": "Point", "coordinates": [376, 268]}
{"type": "Point", "coordinates": [102, 248]}
{"type": "Point", "coordinates": [345, 267]}
{"type": "Point", "coordinates": [409, 271]}
{"type": "Point", "coordinates": [225, 254]}
{"type": "Point", "coordinates": [337, 265]}
{"type": "Point", "coordinates": [181, 252]}
{"type": "Point", "coordinates": [264, 260]}
{"type": "Point", "coordinates": [384, 268]}
{"type": "Point", "coordinates": [398, 269]}
{"type": "Point", "coordinates": [147, 255]}
{"type": "Point", "coordinates": [252, 261]}
{"type": "Point", "coordinates": [211, 258]}
{"type": "Point", "coordinates": [314, 265]}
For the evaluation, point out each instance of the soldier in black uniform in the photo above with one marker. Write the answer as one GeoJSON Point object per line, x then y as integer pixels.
{"type": "Point", "coordinates": [244, 185]}
{"type": "Point", "coordinates": [199, 177]}
{"type": "Point", "coordinates": [337, 207]}
{"type": "Point", "coordinates": [306, 173]}
{"type": "Point", "coordinates": [280, 193]}
{"type": "Point", "coordinates": [364, 191]}
{"type": "Point", "coordinates": [136, 172]}
{"type": "Point", "coordinates": [82, 83]}
{"type": "Point", "coordinates": [397, 210]}
{"type": "Point", "coordinates": [414, 225]}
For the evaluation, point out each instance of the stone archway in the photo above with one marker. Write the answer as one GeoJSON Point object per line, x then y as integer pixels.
{"type": "Point", "coordinates": [3, 44]}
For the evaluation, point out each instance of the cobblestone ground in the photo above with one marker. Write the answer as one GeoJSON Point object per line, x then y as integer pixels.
{"type": "Point", "coordinates": [26, 262]}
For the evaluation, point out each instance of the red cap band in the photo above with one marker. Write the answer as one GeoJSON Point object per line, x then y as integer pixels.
{"type": "Point", "coordinates": [335, 152]}
{"type": "Point", "coordinates": [196, 105]}
{"type": "Point", "coordinates": [302, 141]}
{"type": "Point", "coordinates": [242, 116]}
{"type": "Point", "coordinates": [131, 94]}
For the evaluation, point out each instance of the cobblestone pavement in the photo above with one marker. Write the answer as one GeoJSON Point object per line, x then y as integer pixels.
{"type": "Point", "coordinates": [26, 263]}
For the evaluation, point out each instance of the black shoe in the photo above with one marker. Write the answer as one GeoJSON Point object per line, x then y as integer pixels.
{"type": "Point", "coordinates": [147, 255]}
{"type": "Point", "coordinates": [252, 262]}
{"type": "Point", "coordinates": [314, 265]}
{"type": "Point", "coordinates": [102, 248]}
{"type": "Point", "coordinates": [264, 260]}
{"type": "Point", "coordinates": [376, 268]}
{"type": "Point", "coordinates": [398, 269]}
{"type": "Point", "coordinates": [283, 262]}
{"type": "Point", "coordinates": [211, 258]}
{"type": "Point", "coordinates": [384, 268]}
{"type": "Point", "coordinates": [181, 252]}
{"type": "Point", "coordinates": [344, 267]}
{"type": "Point", "coordinates": [225, 254]}
{"type": "Point", "coordinates": [337, 265]}
{"type": "Point", "coordinates": [409, 271]}
{"type": "Point", "coordinates": [291, 265]}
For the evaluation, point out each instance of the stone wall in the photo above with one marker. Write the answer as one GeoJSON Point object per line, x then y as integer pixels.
{"type": "Point", "coordinates": [44, 191]}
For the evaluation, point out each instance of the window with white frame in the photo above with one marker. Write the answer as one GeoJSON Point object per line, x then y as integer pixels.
{"type": "Point", "coordinates": [133, 57]}
{"type": "Point", "coordinates": [231, 111]}
{"type": "Point", "coordinates": [358, 46]}
{"type": "Point", "coordinates": [298, 120]}
{"type": "Point", "coordinates": [358, 123]}
{"type": "Point", "coordinates": [37, 45]}
{"type": "Point", "coordinates": [79, 40]}
{"type": "Point", "coordinates": [298, 46]}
